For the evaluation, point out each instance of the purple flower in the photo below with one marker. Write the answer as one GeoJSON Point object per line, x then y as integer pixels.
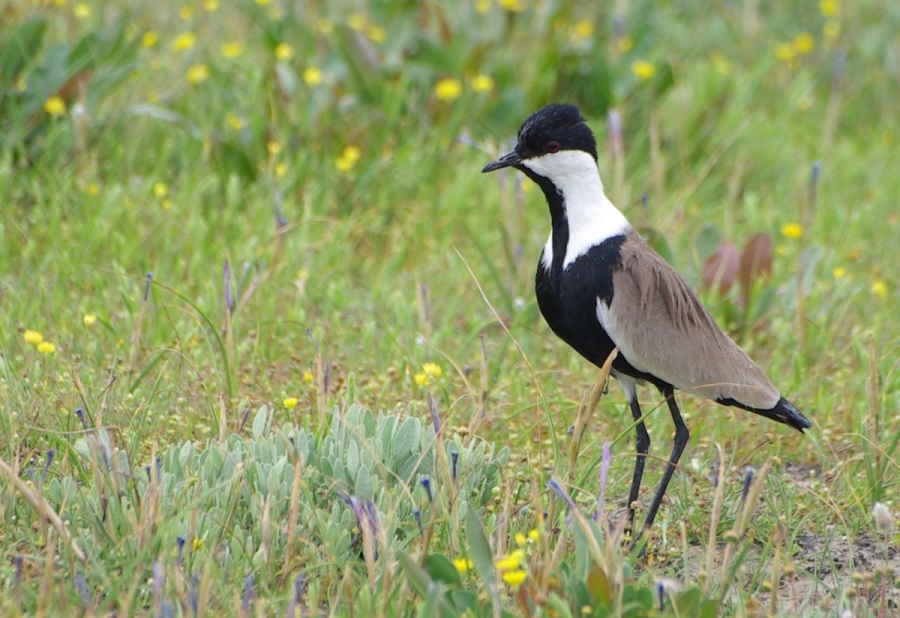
{"type": "Point", "coordinates": [661, 595]}
{"type": "Point", "coordinates": [247, 597]}
{"type": "Point", "coordinates": [748, 480]}
{"type": "Point", "coordinates": [226, 275]}
{"type": "Point", "coordinates": [426, 483]}
{"type": "Point", "coordinates": [80, 414]}
{"type": "Point", "coordinates": [371, 515]}
{"type": "Point", "coordinates": [82, 588]}
{"type": "Point", "coordinates": [435, 416]}
{"type": "Point", "coordinates": [454, 459]}
{"type": "Point", "coordinates": [194, 595]}
{"type": "Point", "coordinates": [353, 503]}
{"type": "Point", "coordinates": [147, 286]}
{"type": "Point", "coordinates": [556, 487]}
{"type": "Point", "coordinates": [297, 597]}
{"type": "Point", "coordinates": [417, 514]}
{"type": "Point", "coordinates": [159, 579]}
{"type": "Point", "coordinates": [50, 455]}
{"type": "Point", "coordinates": [180, 541]}
{"type": "Point", "coordinates": [18, 571]}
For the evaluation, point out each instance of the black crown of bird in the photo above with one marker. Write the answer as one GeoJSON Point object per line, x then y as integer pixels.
{"type": "Point", "coordinates": [600, 287]}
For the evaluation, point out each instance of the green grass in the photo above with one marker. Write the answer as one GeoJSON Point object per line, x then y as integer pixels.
{"type": "Point", "coordinates": [409, 257]}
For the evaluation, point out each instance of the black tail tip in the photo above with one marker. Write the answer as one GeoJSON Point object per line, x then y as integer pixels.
{"type": "Point", "coordinates": [785, 412]}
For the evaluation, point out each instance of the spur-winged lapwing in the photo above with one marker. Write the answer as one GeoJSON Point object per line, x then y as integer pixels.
{"type": "Point", "coordinates": [600, 286]}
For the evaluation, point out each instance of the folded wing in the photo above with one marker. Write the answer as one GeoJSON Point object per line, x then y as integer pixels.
{"type": "Point", "coordinates": [661, 328]}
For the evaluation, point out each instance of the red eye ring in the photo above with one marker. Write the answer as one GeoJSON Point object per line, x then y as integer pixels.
{"type": "Point", "coordinates": [552, 146]}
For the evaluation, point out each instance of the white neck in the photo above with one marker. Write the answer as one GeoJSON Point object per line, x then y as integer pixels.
{"type": "Point", "coordinates": [590, 215]}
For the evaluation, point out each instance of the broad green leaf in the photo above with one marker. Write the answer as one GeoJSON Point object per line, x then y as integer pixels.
{"type": "Point", "coordinates": [260, 422]}
{"type": "Point", "coordinates": [598, 586]}
{"type": "Point", "coordinates": [406, 439]}
{"type": "Point", "coordinates": [417, 576]}
{"type": "Point", "coordinates": [18, 49]}
{"type": "Point", "coordinates": [479, 549]}
{"type": "Point", "coordinates": [363, 483]}
{"type": "Point", "coordinates": [440, 568]}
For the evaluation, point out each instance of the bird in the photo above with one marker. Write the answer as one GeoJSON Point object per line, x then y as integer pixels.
{"type": "Point", "coordinates": [601, 287]}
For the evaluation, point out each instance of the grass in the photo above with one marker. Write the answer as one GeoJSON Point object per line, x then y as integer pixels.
{"type": "Point", "coordinates": [331, 159]}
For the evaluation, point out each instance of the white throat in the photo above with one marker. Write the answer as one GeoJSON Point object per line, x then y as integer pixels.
{"type": "Point", "coordinates": [591, 217]}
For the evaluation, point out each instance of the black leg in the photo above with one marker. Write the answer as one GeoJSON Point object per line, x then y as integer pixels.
{"type": "Point", "coordinates": [643, 447]}
{"type": "Point", "coordinates": [681, 439]}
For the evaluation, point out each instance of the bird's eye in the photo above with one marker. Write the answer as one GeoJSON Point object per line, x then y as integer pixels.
{"type": "Point", "coordinates": [552, 147]}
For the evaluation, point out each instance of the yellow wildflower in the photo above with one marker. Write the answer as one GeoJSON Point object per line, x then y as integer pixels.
{"type": "Point", "coordinates": [421, 379]}
{"type": "Point", "coordinates": [462, 564]}
{"type": "Point", "coordinates": [482, 6]}
{"type": "Point", "coordinates": [197, 544]}
{"type": "Point", "coordinates": [150, 39]}
{"type": "Point", "coordinates": [198, 74]}
{"type": "Point", "coordinates": [356, 21]}
{"type": "Point", "coordinates": [82, 10]}
{"type": "Point", "coordinates": [93, 189]}
{"type": "Point", "coordinates": [376, 34]}
{"type": "Point", "coordinates": [583, 29]}
{"type": "Point", "coordinates": [33, 337]}
{"type": "Point", "coordinates": [534, 535]}
{"type": "Point", "coordinates": [448, 89]}
{"type": "Point", "coordinates": [804, 43]}
{"type": "Point", "coordinates": [290, 403]}
{"type": "Point", "coordinates": [210, 5]}
{"type": "Point", "coordinates": [166, 204]}
{"type": "Point", "coordinates": [263, 2]}
{"type": "Point", "coordinates": [89, 319]}
{"type": "Point", "coordinates": [521, 539]}
{"type": "Point", "coordinates": [516, 6]}
{"type": "Point", "coordinates": [281, 169]}
{"type": "Point", "coordinates": [55, 106]}
{"type": "Point", "coordinates": [312, 76]}
{"type": "Point", "coordinates": [184, 41]}
{"type": "Point", "coordinates": [45, 347]}
{"type": "Point", "coordinates": [186, 12]}
{"type": "Point", "coordinates": [307, 376]}
{"type": "Point", "coordinates": [349, 156]}
{"type": "Point", "coordinates": [515, 577]}
{"type": "Point", "coordinates": [432, 370]}
{"type": "Point", "coordinates": [784, 51]}
{"type": "Point", "coordinates": [510, 562]}
{"type": "Point", "coordinates": [829, 8]}
{"type": "Point", "coordinates": [160, 189]}
{"type": "Point", "coordinates": [643, 69]}
{"type": "Point", "coordinates": [792, 230]}
{"type": "Point", "coordinates": [234, 122]}
{"type": "Point", "coordinates": [232, 49]}
{"type": "Point", "coordinates": [839, 272]}
{"type": "Point", "coordinates": [284, 52]}
{"type": "Point", "coordinates": [274, 147]}
{"type": "Point", "coordinates": [879, 289]}
{"type": "Point", "coordinates": [482, 83]}
{"type": "Point", "coordinates": [721, 64]}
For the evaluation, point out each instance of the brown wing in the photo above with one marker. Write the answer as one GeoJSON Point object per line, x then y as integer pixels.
{"type": "Point", "coordinates": [662, 328]}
